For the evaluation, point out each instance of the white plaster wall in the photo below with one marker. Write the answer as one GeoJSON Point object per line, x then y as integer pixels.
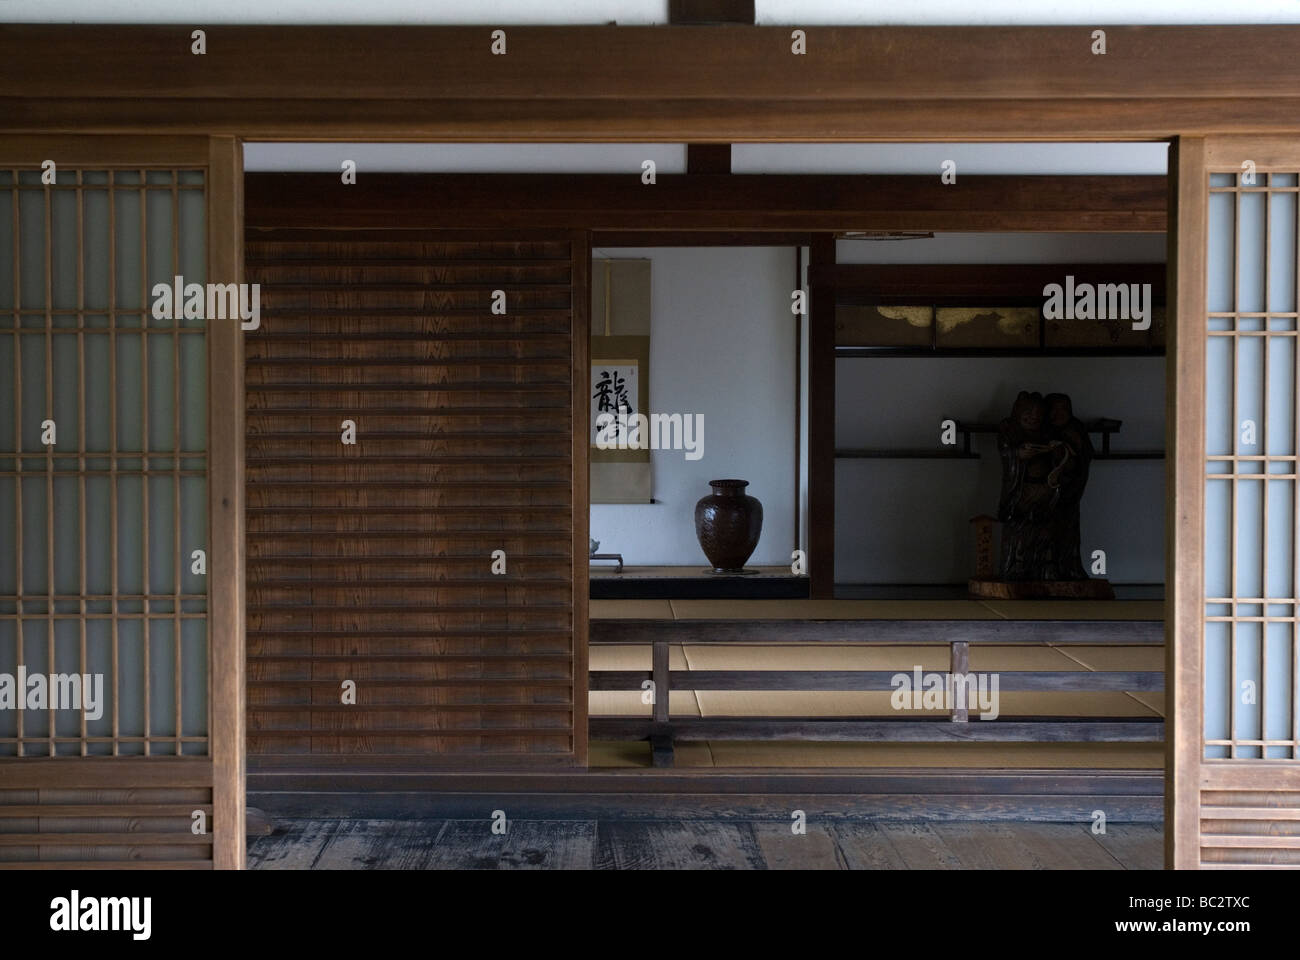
{"type": "Point", "coordinates": [721, 344]}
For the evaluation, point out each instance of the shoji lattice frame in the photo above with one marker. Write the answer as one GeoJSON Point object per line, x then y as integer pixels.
{"type": "Point", "coordinates": [217, 777]}
{"type": "Point", "coordinates": [1238, 810]}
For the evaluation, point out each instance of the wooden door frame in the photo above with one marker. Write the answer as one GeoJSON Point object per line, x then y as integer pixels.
{"type": "Point", "coordinates": [1188, 772]}
{"type": "Point", "coordinates": [222, 161]}
{"type": "Point", "coordinates": [673, 84]}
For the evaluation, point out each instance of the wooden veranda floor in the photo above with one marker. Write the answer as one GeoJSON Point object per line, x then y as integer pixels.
{"type": "Point", "coordinates": [703, 845]}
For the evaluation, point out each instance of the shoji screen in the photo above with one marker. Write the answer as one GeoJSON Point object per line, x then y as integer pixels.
{"type": "Point", "coordinates": [1237, 794]}
{"type": "Point", "coordinates": [105, 653]}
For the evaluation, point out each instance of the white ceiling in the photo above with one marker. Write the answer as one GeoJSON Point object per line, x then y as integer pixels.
{"type": "Point", "coordinates": [824, 158]}
{"type": "Point", "coordinates": [794, 12]}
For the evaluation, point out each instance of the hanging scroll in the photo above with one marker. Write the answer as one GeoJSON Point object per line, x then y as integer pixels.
{"type": "Point", "coordinates": [620, 381]}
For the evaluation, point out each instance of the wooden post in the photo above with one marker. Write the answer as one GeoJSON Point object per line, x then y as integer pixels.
{"type": "Point", "coordinates": [960, 666]}
{"type": "Point", "coordinates": [821, 419]}
{"type": "Point", "coordinates": [661, 741]}
{"type": "Point", "coordinates": [226, 510]}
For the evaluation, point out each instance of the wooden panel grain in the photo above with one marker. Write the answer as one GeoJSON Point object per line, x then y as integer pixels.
{"type": "Point", "coordinates": [657, 63]}
{"type": "Point", "coordinates": [713, 201]}
{"type": "Point", "coordinates": [226, 508]}
{"type": "Point", "coordinates": [372, 561]}
{"type": "Point", "coordinates": [1185, 420]}
{"type": "Point", "coordinates": [821, 419]}
{"type": "Point", "coordinates": [702, 118]}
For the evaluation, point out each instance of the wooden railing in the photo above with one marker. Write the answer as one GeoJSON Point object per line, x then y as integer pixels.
{"type": "Point", "coordinates": [663, 730]}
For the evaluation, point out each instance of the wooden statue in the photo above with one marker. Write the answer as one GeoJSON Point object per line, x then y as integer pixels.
{"type": "Point", "coordinates": [1045, 453]}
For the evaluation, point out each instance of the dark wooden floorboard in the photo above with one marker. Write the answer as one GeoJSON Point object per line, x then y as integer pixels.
{"type": "Point", "coordinates": [703, 845]}
{"type": "Point", "coordinates": [526, 845]}
{"type": "Point", "coordinates": [292, 845]}
{"type": "Point", "coordinates": [677, 845]}
{"type": "Point", "coordinates": [815, 849]}
{"type": "Point", "coordinates": [381, 845]}
{"type": "Point", "coordinates": [1136, 846]}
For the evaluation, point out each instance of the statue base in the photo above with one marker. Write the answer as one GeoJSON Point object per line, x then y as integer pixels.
{"type": "Point", "coordinates": [990, 589]}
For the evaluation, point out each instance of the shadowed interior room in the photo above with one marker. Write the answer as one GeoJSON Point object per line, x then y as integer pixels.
{"type": "Point", "coordinates": [409, 432]}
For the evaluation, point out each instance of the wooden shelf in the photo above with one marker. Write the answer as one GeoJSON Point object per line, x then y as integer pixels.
{"type": "Point", "coordinates": [867, 454]}
{"type": "Point", "coordinates": [1102, 425]}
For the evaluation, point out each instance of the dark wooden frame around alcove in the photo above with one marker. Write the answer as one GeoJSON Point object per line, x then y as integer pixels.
{"type": "Point", "coordinates": [1218, 93]}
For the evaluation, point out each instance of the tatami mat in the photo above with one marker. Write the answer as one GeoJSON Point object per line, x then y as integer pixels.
{"type": "Point", "coordinates": [901, 658]}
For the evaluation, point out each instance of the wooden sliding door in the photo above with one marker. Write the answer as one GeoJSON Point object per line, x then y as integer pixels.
{"type": "Point", "coordinates": [1234, 668]}
{"type": "Point", "coordinates": [120, 644]}
{"type": "Point", "coordinates": [416, 497]}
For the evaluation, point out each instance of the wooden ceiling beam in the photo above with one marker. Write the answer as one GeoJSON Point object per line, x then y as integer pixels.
{"type": "Point", "coordinates": [648, 64]}
{"type": "Point", "coordinates": [697, 120]}
{"type": "Point", "coordinates": [706, 202]}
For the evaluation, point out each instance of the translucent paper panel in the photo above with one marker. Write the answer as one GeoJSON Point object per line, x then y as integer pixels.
{"type": "Point", "coordinates": [1280, 538]}
{"type": "Point", "coordinates": [1278, 706]}
{"type": "Point", "coordinates": [1251, 493]}
{"type": "Point", "coordinates": [98, 527]}
{"type": "Point", "coordinates": [1250, 396]}
{"type": "Point", "coordinates": [1222, 255]}
{"type": "Point", "coordinates": [1280, 413]}
{"type": "Point", "coordinates": [1251, 265]}
{"type": "Point", "coordinates": [1246, 688]}
{"type": "Point", "coordinates": [1248, 531]}
{"type": "Point", "coordinates": [1218, 538]}
{"type": "Point", "coordinates": [1282, 253]}
{"type": "Point", "coordinates": [1219, 385]}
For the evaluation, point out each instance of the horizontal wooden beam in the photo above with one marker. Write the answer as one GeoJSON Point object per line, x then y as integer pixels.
{"type": "Point", "coordinates": [1143, 632]}
{"type": "Point", "coordinates": [707, 202]}
{"type": "Point", "coordinates": [1054, 730]}
{"type": "Point", "coordinates": [105, 773]}
{"type": "Point", "coordinates": [840, 680]}
{"type": "Point", "coordinates": [984, 280]}
{"type": "Point", "coordinates": [680, 83]}
{"type": "Point", "coordinates": [648, 64]}
{"type": "Point", "coordinates": [694, 120]}
{"type": "Point", "coordinates": [322, 787]}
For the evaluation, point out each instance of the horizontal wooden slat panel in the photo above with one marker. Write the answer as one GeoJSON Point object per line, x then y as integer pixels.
{"type": "Point", "coordinates": [371, 562]}
{"type": "Point", "coordinates": [1254, 821]}
{"type": "Point", "coordinates": [111, 812]}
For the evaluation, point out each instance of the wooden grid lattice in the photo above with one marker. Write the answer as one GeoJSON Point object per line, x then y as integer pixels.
{"type": "Point", "coordinates": [1251, 338]}
{"type": "Point", "coordinates": [81, 294]}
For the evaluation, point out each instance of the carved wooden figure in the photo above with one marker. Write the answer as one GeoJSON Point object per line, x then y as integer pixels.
{"type": "Point", "coordinates": [1045, 454]}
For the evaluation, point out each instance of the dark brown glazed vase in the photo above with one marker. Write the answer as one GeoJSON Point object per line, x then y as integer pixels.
{"type": "Point", "coordinates": [728, 523]}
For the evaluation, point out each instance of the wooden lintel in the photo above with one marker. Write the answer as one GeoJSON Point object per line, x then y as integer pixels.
{"type": "Point", "coordinates": [708, 202]}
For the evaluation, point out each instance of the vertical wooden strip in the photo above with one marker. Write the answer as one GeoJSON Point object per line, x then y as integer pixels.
{"type": "Point", "coordinates": [177, 554]}
{"type": "Point", "coordinates": [226, 731]}
{"type": "Point", "coordinates": [18, 443]}
{"type": "Point", "coordinates": [81, 437]}
{"type": "Point", "coordinates": [1185, 481]}
{"type": "Point", "coordinates": [579, 337]}
{"type": "Point", "coordinates": [1295, 492]}
{"type": "Point", "coordinates": [959, 667]}
{"type": "Point", "coordinates": [1262, 436]}
{"type": "Point", "coordinates": [659, 672]}
{"type": "Point", "coordinates": [51, 622]}
{"type": "Point", "coordinates": [1236, 462]}
{"type": "Point", "coordinates": [146, 587]}
{"type": "Point", "coordinates": [112, 433]}
{"type": "Point", "coordinates": [821, 419]}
